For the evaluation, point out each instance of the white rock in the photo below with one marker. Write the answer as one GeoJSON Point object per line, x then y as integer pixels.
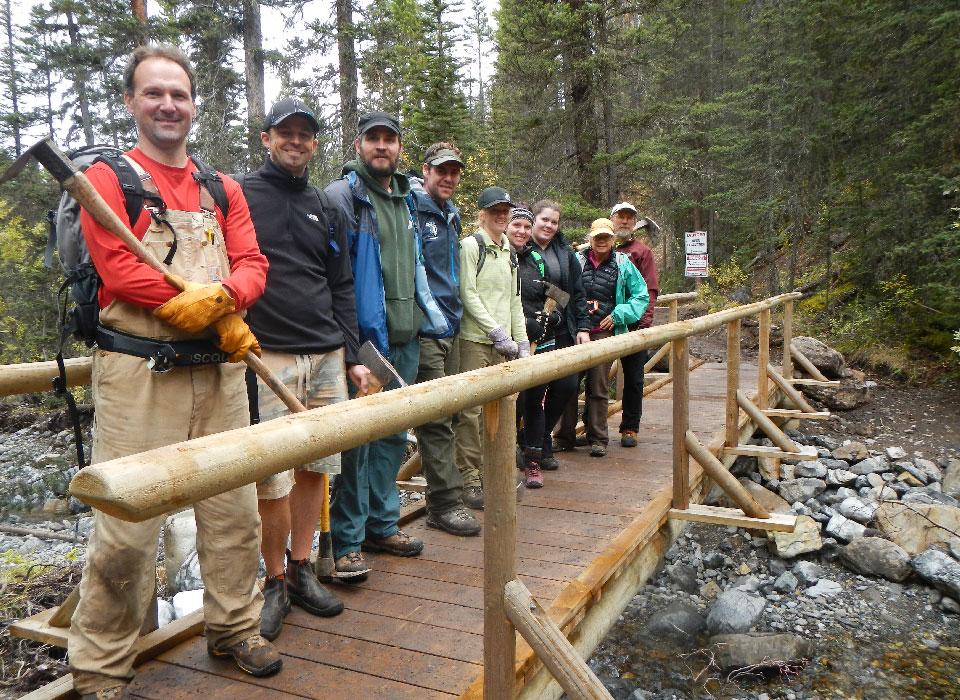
{"type": "Point", "coordinates": [929, 469]}
{"type": "Point", "coordinates": [186, 602]}
{"type": "Point", "coordinates": [840, 477]}
{"type": "Point", "coordinates": [858, 510]}
{"type": "Point", "coordinates": [165, 612]}
{"type": "Point", "coordinates": [844, 529]}
{"type": "Point", "coordinates": [895, 453]}
{"type": "Point", "coordinates": [824, 587]}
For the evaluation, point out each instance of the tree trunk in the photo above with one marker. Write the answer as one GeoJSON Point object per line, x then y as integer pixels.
{"type": "Point", "coordinates": [348, 76]}
{"type": "Point", "coordinates": [253, 71]}
{"type": "Point", "coordinates": [13, 86]}
{"type": "Point", "coordinates": [80, 84]}
{"type": "Point", "coordinates": [139, 10]}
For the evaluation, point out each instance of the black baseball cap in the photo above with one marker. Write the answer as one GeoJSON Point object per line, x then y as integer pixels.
{"type": "Point", "coordinates": [373, 119]}
{"type": "Point", "coordinates": [492, 196]}
{"type": "Point", "coordinates": [287, 107]}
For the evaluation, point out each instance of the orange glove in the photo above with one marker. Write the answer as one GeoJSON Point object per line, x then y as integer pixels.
{"type": "Point", "coordinates": [196, 307]}
{"type": "Point", "coordinates": [236, 338]}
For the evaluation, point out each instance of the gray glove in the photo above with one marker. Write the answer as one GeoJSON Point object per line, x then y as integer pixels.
{"type": "Point", "coordinates": [524, 348]}
{"type": "Point", "coordinates": [503, 343]}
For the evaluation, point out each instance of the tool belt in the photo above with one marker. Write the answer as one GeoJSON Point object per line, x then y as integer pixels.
{"type": "Point", "coordinates": [161, 355]}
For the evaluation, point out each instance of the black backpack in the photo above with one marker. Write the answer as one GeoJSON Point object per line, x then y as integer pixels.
{"type": "Point", "coordinates": [80, 311]}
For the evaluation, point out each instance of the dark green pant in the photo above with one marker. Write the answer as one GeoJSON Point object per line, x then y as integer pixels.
{"type": "Point", "coordinates": [435, 440]}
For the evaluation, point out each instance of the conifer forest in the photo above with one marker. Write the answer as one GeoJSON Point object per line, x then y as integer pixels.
{"type": "Point", "coordinates": [816, 141]}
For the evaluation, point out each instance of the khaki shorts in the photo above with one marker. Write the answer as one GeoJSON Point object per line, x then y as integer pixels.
{"type": "Point", "coordinates": [317, 380]}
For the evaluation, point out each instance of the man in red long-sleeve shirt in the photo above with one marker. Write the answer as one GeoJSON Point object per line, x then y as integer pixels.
{"type": "Point", "coordinates": [167, 370]}
{"type": "Point", "coordinates": [624, 217]}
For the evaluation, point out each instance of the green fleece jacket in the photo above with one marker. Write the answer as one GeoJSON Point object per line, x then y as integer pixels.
{"type": "Point", "coordinates": [398, 250]}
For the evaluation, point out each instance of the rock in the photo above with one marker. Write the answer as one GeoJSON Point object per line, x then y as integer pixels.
{"type": "Point", "coordinates": [179, 540]}
{"type": "Point", "coordinates": [188, 577]}
{"type": "Point", "coordinates": [834, 463]}
{"type": "Point", "coordinates": [769, 500]}
{"type": "Point", "coordinates": [950, 605]}
{"type": "Point", "coordinates": [679, 621]}
{"type": "Point", "coordinates": [928, 494]}
{"type": "Point", "coordinates": [875, 480]}
{"type": "Point", "coordinates": [813, 468]}
{"type": "Point", "coordinates": [951, 479]}
{"type": "Point", "coordinates": [895, 453]}
{"type": "Point", "coordinates": [851, 452]}
{"type": "Point", "coordinates": [165, 612]}
{"type": "Point", "coordinates": [840, 477]}
{"type": "Point", "coordinates": [928, 469]}
{"type": "Point", "coordinates": [785, 583]}
{"type": "Point", "coordinates": [713, 560]}
{"type": "Point", "coordinates": [807, 572]}
{"type": "Point", "coordinates": [824, 588]}
{"type": "Point", "coordinates": [743, 465]}
{"type": "Point", "coordinates": [838, 496]}
{"type": "Point", "coordinates": [805, 538]}
{"type": "Point", "coordinates": [750, 584]}
{"type": "Point", "coordinates": [856, 509]}
{"type": "Point", "coordinates": [823, 357]}
{"type": "Point", "coordinates": [915, 526]}
{"type": "Point", "coordinates": [734, 612]}
{"type": "Point", "coordinates": [684, 576]}
{"type": "Point", "coordinates": [843, 528]}
{"type": "Point", "coordinates": [824, 441]}
{"type": "Point", "coordinates": [919, 473]}
{"type": "Point", "coordinates": [185, 602]}
{"type": "Point", "coordinates": [710, 590]}
{"type": "Point", "coordinates": [801, 489]}
{"type": "Point", "coordinates": [909, 479]}
{"type": "Point", "coordinates": [870, 465]}
{"type": "Point", "coordinates": [940, 569]}
{"type": "Point", "coordinates": [740, 650]}
{"type": "Point", "coordinates": [850, 394]}
{"type": "Point", "coordinates": [875, 556]}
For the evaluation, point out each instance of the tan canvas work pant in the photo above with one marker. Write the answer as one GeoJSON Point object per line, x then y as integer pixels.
{"type": "Point", "coordinates": [137, 410]}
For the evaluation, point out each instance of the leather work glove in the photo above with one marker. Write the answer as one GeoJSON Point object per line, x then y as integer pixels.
{"type": "Point", "coordinates": [236, 338]}
{"type": "Point", "coordinates": [503, 343]}
{"type": "Point", "coordinates": [535, 328]}
{"type": "Point", "coordinates": [523, 348]}
{"type": "Point", "coordinates": [196, 307]}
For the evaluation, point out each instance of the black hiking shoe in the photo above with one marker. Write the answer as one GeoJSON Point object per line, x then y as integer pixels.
{"type": "Point", "coordinates": [457, 522]}
{"type": "Point", "coordinates": [473, 497]}
{"type": "Point", "coordinates": [549, 463]}
{"type": "Point", "coordinates": [254, 655]}
{"type": "Point", "coordinates": [598, 449]}
{"type": "Point", "coordinates": [276, 605]}
{"type": "Point", "coordinates": [307, 593]}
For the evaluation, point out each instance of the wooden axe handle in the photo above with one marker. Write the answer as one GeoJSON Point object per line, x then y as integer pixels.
{"type": "Point", "coordinates": [80, 188]}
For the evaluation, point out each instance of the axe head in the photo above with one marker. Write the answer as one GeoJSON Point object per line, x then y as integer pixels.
{"type": "Point", "coordinates": [49, 156]}
{"type": "Point", "coordinates": [558, 295]}
{"type": "Point", "coordinates": [378, 365]}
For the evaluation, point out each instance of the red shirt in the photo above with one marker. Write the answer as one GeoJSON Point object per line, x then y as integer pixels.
{"type": "Point", "coordinates": [641, 256]}
{"type": "Point", "coordinates": [133, 282]}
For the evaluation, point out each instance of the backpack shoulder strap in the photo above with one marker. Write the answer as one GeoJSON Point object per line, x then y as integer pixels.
{"type": "Point", "coordinates": [211, 184]}
{"type": "Point", "coordinates": [481, 253]}
{"type": "Point", "coordinates": [327, 208]}
{"type": "Point", "coordinates": [133, 181]}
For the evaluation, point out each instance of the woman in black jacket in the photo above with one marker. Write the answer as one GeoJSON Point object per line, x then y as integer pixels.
{"type": "Point", "coordinates": [548, 258]}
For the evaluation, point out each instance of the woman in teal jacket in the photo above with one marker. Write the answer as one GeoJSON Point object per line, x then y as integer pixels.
{"type": "Point", "coordinates": [616, 297]}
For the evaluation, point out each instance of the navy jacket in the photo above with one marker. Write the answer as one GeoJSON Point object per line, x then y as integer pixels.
{"type": "Point", "coordinates": [440, 232]}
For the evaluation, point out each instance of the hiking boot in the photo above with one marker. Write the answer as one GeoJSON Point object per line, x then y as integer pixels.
{"type": "Point", "coordinates": [628, 438]}
{"type": "Point", "coordinates": [561, 446]}
{"type": "Point", "coordinates": [473, 497]}
{"type": "Point", "coordinates": [532, 478]}
{"type": "Point", "coordinates": [399, 544]}
{"type": "Point", "coordinates": [581, 441]}
{"type": "Point", "coordinates": [457, 522]}
{"type": "Point", "coordinates": [306, 592]}
{"type": "Point", "coordinates": [276, 605]}
{"type": "Point", "coordinates": [598, 449]}
{"type": "Point", "coordinates": [254, 655]}
{"type": "Point", "coordinates": [117, 693]}
{"type": "Point", "coordinates": [351, 568]}
{"type": "Point", "coordinates": [549, 463]}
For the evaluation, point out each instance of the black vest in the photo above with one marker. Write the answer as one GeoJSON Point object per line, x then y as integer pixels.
{"type": "Point", "coordinates": [600, 285]}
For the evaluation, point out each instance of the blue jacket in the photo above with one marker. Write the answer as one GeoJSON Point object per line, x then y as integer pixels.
{"type": "Point", "coordinates": [350, 195]}
{"type": "Point", "coordinates": [440, 237]}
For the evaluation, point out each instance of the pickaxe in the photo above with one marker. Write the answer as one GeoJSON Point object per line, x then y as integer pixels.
{"type": "Point", "coordinates": [79, 187]}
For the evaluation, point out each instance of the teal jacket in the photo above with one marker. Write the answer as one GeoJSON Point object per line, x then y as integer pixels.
{"type": "Point", "coordinates": [632, 296]}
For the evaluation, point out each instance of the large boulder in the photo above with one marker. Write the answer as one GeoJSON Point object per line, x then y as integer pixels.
{"type": "Point", "coordinates": [940, 570]}
{"type": "Point", "coordinates": [759, 649]}
{"type": "Point", "coordinates": [823, 357]}
{"type": "Point", "coordinates": [850, 394]}
{"type": "Point", "coordinates": [679, 621]}
{"type": "Point", "coordinates": [735, 612]}
{"type": "Point", "coordinates": [804, 539]}
{"type": "Point", "coordinates": [875, 556]}
{"type": "Point", "coordinates": [918, 526]}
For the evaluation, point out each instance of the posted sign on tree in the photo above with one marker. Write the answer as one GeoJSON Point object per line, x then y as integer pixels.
{"type": "Point", "coordinates": [696, 250]}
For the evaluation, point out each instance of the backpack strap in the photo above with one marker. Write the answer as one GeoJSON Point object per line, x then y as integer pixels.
{"type": "Point", "coordinates": [213, 195]}
{"type": "Point", "coordinates": [481, 253]}
{"type": "Point", "coordinates": [326, 208]}
{"type": "Point", "coordinates": [135, 183]}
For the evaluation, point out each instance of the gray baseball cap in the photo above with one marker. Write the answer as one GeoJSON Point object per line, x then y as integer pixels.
{"type": "Point", "coordinates": [444, 155]}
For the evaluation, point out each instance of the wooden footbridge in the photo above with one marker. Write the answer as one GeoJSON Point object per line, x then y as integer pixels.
{"type": "Point", "coordinates": [512, 613]}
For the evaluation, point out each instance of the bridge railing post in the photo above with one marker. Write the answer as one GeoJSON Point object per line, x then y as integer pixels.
{"type": "Point", "coordinates": [499, 546]}
{"type": "Point", "coordinates": [786, 367]}
{"type": "Point", "coordinates": [674, 316]}
{"type": "Point", "coordinates": [681, 398]}
{"type": "Point", "coordinates": [732, 420]}
{"type": "Point", "coordinates": [763, 359]}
